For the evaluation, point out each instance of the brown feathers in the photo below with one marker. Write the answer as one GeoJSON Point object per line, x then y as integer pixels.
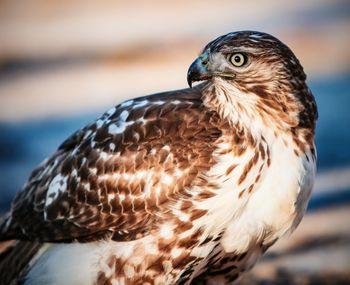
{"type": "Point", "coordinates": [161, 185]}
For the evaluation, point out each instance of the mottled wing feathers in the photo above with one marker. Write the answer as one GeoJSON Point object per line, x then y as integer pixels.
{"type": "Point", "coordinates": [122, 172]}
{"type": "Point", "coordinates": [15, 259]}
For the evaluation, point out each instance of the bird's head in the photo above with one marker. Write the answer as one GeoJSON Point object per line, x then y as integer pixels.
{"type": "Point", "coordinates": [257, 68]}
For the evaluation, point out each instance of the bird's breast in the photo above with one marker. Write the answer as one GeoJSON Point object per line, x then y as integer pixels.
{"type": "Point", "coordinates": [263, 195]}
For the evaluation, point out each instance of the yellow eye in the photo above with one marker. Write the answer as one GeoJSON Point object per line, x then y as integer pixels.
{"type": "Point", "coordinates": [238, 59]}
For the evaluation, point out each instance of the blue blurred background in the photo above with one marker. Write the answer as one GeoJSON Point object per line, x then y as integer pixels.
{"type": "Point", "coordinates": [62, 63]}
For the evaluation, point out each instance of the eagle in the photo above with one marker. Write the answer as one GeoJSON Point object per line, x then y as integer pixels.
{"type": "Point", "coordinates": [181, 187]}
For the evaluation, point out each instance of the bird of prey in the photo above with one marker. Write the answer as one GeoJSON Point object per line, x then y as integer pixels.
{"type": "Point", "coordinates": [182, 187]}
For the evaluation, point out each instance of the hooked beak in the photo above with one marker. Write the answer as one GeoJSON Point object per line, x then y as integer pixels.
{"type": "Point", "coordinates": [197, 72]}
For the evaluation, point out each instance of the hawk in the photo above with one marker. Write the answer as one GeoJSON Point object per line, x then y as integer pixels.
{"type": "Point", "coordinates": [181, 187]}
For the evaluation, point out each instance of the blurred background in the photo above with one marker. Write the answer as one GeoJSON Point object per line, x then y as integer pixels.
{"type": "Point", "coordinates": [64, 62]}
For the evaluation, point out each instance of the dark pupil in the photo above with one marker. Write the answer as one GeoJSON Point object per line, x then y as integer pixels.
{"type": "Point", "coordinates": [237, 59]}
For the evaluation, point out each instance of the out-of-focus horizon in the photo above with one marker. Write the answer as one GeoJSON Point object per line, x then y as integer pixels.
{"type": "Point", "coordinates": [98, 50]}
{"type": "Point", "coordinates": [64, 62]}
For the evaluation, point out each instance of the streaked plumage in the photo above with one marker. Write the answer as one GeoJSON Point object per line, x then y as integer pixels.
{"type": "Point", "coordinates": [181, 187]}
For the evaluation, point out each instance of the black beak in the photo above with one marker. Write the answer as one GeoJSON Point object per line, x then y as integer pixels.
{"type": "Point", "coordinates": [197, 72]}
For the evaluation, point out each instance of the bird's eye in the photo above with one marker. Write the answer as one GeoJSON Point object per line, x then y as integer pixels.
{"type": "Point", "coordinates": [238, 59]}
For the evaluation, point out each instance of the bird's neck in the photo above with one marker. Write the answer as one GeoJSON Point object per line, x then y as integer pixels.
{"type": "Point", "coordinates": [261, 115]}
